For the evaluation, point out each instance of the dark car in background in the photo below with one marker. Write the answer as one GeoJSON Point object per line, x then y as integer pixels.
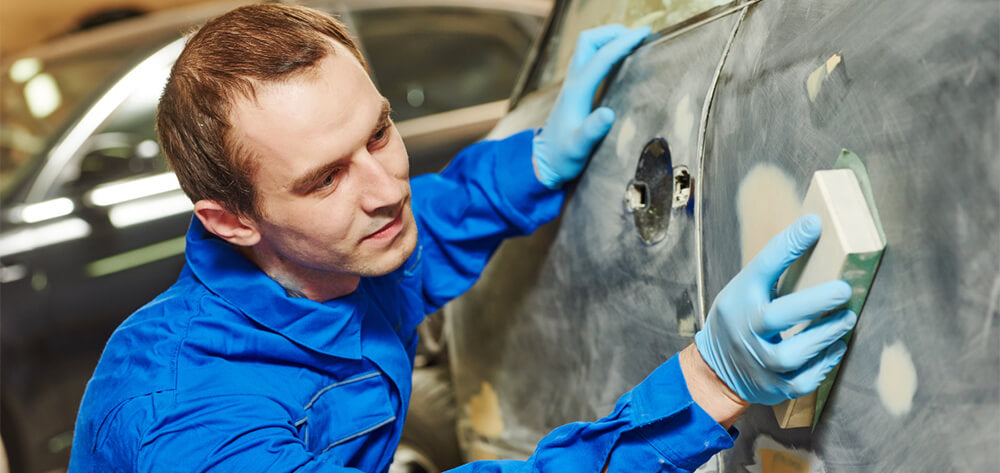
{"type": "Point", "coordinates": [735, 104]}
{"type": "Point", "coordinates": [93, 221]}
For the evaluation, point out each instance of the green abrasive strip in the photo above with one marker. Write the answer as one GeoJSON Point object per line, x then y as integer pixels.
{"type": "Point", "coordinates": [859, 271]}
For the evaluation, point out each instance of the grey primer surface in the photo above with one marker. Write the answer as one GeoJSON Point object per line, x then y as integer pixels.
{"type": "Point", "coordinates": [565, 321]}
{"type": "Point", "coordinates": [916, 99]}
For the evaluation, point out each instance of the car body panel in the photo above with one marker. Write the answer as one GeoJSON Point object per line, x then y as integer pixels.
{"type": "Point", "coordinates": [913, 92]}
{"type": "Point", "coordinates": [564, 321]}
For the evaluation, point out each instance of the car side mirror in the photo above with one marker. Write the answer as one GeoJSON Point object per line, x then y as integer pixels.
{"type": "Point", "coordinates": [114, 156]}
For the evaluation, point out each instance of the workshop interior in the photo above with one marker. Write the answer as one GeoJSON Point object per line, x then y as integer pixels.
{"type": "Point", "coordinates": [732, 119]}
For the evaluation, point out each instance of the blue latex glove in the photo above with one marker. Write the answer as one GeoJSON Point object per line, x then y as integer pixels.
{"type": "Point", "coordinates": [741, 340]}
{"type": "Point", "coordinates": [562, 147]}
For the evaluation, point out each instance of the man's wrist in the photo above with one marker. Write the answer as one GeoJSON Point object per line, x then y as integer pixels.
{"type": "Point", "coordinates": [545, 174]}
{"type": "Point", "coordinates": [534, 166]}
{"type": "Point", "coordinates": [708, 390]}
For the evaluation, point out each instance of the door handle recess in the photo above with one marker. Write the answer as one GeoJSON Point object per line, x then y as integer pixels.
{"type": "Point", "coordinates": [656, 191]}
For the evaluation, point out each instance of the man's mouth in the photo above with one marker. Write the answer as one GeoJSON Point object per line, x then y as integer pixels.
{"type": "Point", "coordinates": [390, 230]}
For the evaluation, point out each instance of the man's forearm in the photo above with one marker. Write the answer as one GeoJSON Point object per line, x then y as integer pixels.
{"type": "Point", "coordinates": [708, 391]}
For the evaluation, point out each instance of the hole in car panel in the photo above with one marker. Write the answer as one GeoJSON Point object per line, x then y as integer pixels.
{"type": "Point", "coordinates": [656, 190]}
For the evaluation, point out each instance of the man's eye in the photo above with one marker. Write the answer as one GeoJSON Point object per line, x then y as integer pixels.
{"type": "Point", "coordinates": [380, 135]}
{"type": "Point", "coordinates": [328, 180]}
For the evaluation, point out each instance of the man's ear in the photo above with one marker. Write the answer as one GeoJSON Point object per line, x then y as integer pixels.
{"type": "Point", "coordinates": [225, 224]}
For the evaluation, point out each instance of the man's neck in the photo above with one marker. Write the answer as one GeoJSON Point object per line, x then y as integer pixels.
{"type": "Point", "coordinates": [320, 286]}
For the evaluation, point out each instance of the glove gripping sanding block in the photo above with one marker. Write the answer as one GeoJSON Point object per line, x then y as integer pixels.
{"type": "Point", "coordinates": [850, 248]}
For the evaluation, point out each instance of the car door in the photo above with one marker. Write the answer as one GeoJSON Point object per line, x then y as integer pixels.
{"type": "Point", "coordinates": [911, 88]}
{"type": "Point", "coordinates": [753, 97]}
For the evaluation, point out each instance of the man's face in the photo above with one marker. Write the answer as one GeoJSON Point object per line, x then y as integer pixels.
{"type": "Point", "coordinates": [332, 177]}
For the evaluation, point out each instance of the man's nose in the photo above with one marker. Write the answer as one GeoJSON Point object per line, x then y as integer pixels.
{"type": "Point", "coordinates": [381, 188]}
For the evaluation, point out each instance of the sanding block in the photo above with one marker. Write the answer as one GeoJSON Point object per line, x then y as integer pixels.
{"type": "Point", "coordinates": [850, 248]}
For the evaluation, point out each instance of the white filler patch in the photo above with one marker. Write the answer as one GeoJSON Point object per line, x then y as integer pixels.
{"type": "Point", "coordinates": [685, 327]}
{"type": "Point", "coordinates": [767, 201]}
{"type": "Point", "coordinates": [770, 456]}
{"type": "Point", "coordinates": [684, 123]}
{"type": "Point", "coordinates": [897, 379]}
{"type": "Point", "coordinates": [625, 136]}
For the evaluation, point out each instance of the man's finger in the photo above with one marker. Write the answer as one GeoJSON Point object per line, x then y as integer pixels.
{"type": "Point", "coordinates": [809, 343]}
{"type": "Point", "coordinates": [595, 127]}
{"type": "Point", "coordinates": [598, 66]}
{"type": "Point", "coordinates": [792, 309]}
{"type": "Point", "coordinates": [785, 248]}
{"type": "Point", "coordinates": [590, 41]}
{"type": "Point", "coordinates": [807, 379]}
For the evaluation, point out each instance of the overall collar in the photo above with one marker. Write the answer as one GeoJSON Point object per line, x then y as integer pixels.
{"type": "Point", "coordinates": [332, 327]}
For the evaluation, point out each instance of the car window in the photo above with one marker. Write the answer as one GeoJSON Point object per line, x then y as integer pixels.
{"type": "Point", "coordinates": [124, 147]}
{"type": "Point", "coordinates": [41, 96]}
{"type": "Point", "coordinates": [579, 15]}
{"type": "Point", "coordinates": [121, 142]}
{"type": "Point", "coordinates": [429, 60]}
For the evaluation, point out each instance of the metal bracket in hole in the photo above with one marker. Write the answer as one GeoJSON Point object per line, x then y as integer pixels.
{"type": "Point", "coordinates": [636, 196]}
{"type": "Point", "coordinates": [682, 187]}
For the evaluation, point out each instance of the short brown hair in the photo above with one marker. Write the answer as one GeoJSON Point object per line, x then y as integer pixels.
{"type": "Point", "coordinates": [222, 62]}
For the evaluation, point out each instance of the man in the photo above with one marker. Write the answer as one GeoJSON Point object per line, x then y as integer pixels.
{"type": "Point", "coordinates": [287, 342]}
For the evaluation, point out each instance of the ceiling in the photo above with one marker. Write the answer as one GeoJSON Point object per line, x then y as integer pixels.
{"type": "Point", "coordinates": [25, 23]}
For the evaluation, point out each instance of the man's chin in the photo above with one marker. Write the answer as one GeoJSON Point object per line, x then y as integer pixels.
{"type": "Point", "coordinates": [394, 258]}
{"type": "Point", "coordinates": [408, 244]}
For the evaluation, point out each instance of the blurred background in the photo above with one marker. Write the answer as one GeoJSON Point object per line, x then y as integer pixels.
{"type": "Point", "coordinates": [24, 23]}
{"type": "Point", "coordinates": [92, 221]}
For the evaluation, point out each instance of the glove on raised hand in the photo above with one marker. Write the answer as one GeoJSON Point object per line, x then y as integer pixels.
{"type": "Point", "coordinates": [561, 149]}
{"type": "Point", "coordinates": [741, 340]}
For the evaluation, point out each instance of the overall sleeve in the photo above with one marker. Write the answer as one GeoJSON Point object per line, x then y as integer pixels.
{"type": "Point", "coordinates": [488, 193]}
{"type": "Point", "coordinates": [656, 427]}
{"type": "Point", "coordinates": [219, 433]}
